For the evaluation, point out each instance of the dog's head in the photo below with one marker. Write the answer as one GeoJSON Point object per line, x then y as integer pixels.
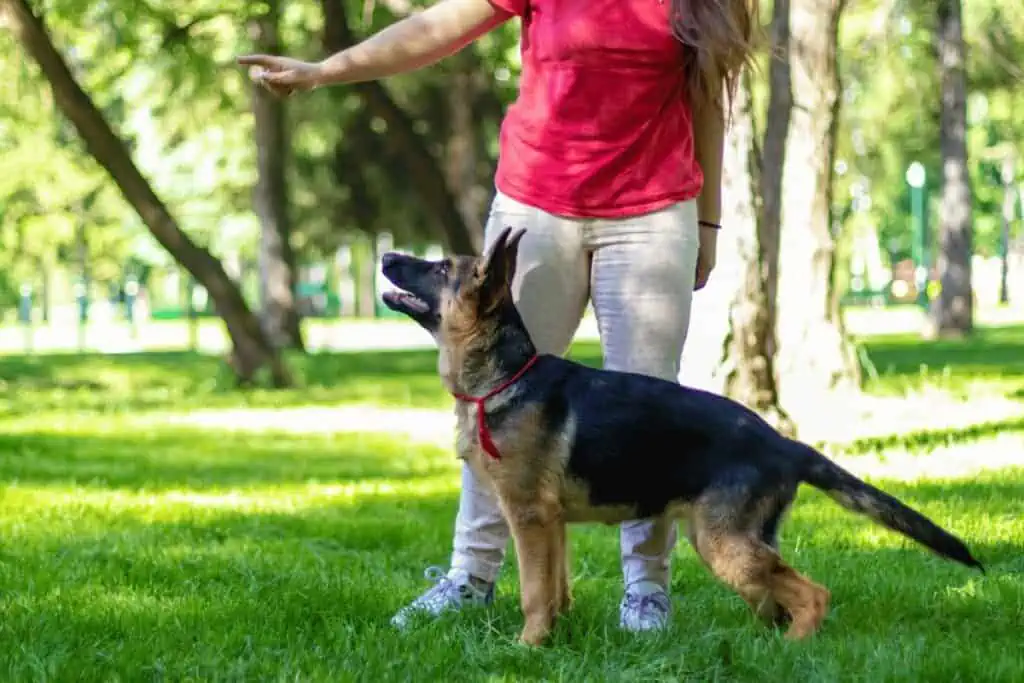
{"type": "Point", "coordinates": [454, 293]}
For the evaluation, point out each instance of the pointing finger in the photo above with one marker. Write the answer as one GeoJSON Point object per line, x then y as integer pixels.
{"type": "Point", "coordinates": [266, 61]}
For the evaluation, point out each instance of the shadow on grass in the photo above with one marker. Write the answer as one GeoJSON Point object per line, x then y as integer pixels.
{"type": "Point", "coordinates": [160, 379]}
{"type": "Point", "coordinates": [929, 439]}
{"type": "Point", "coordinates": [197, 460]}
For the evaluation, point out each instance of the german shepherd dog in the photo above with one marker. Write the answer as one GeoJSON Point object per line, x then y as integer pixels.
{"type": "Point", "coordinates": [561, 443]}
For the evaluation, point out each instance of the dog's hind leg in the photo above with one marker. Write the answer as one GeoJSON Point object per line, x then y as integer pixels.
{"type": "Point", "coordinates": [805, 601]}
{"type": "Point", "coordinates": [536, 542]}
{"type": "Point", "coordinates": [751, 567]}
{"type": "Point", "coordinates": [769, 609]}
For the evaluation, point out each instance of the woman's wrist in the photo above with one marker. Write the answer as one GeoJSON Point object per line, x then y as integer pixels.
{"type": "Point", "coordinates": [709, 203]}
{"type": "Point", "coordinates": [329, 71]}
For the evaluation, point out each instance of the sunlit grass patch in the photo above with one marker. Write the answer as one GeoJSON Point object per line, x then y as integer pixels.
{"type": "Point", "coordinates": [113, 454]}
{"type": "Point", "coordinates": [223, 555]}
{"type": "Point", "coordinates": [991, 362]}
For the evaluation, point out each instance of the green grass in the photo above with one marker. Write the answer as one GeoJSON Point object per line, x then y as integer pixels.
{"type": "Point", "coordinates": [147, 551]}
{"type": "Point", "coordinates": [991, 361]}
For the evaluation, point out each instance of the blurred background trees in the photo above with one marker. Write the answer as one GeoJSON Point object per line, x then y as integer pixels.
{"type": "Point", "coordinates": [874, 160]}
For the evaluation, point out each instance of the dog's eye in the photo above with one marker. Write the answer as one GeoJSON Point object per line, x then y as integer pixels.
{"type": "Point", "coordinates": [444, 267]}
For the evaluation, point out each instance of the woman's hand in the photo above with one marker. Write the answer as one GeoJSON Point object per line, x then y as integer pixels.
{"type": "Point", "coordinates": [282, 75]}
{"type": "Point", "coordinates": [418, 40]}
{"type": "Point", "coordinates": [706, 255]}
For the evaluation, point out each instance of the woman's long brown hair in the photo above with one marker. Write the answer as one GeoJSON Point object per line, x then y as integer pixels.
{"type": "Point", "coordinates": [719, 38]}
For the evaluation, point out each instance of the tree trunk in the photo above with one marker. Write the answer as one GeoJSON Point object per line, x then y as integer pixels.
{"type": "Point", "coordinates": [423, 166]}
{"type": "Point", "coordinates": [815, 356]}
{"type": "Point", "coordinates": [362, 207]}
{"type": "Point", "coordinates": [462, 151]}
{"type": "Point", "coordinates": [45, 293]}
{"type": "Point", "coordinates": [251, 350]}
{"type": "Point", "coordinates": [279, 313]}
{"type": "Point", "coordinates": [750, 346]}
{"type": "Point", "coordinates": [366, 278]}
{"type": "Point", "coordinates": [952, 312]}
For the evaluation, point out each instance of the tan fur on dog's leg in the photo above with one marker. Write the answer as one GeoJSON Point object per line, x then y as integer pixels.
{"type": "Point", "coordinates": [754, 570]}
{"type": "Point", "coordinates": [805, 600]}
{"type": "Point", "coordinates": [560, 558]}
{"type": "Point", "coordinates": [538, 578]}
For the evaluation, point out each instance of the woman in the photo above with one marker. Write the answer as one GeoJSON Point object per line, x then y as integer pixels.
{"type": "Point", "coordinates": [611, 159]}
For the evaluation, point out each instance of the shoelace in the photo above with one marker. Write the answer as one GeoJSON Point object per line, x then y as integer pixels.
{"type": "Point", "coordinates": [644, 602]}
{"type": "Point", "coordinates": [444, 588]}
{"type": "Point", "coordinates": [442, 584]}
{"type": "Point", "coordinates": [435, 574]}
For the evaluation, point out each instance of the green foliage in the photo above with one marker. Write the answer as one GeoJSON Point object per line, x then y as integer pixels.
{"type": "Point", "coordinates": [49, 188]}
{"type": "Point", "coordinates": [890, 111]}
{"type": "Point", "coordinates": [164, 74]}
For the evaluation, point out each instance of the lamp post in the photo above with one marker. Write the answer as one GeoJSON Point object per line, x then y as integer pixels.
{"type": "Point", "coordinates": [916, 180]}
{"type": "Point", "coordinates": [131, 293]}
{"type": "Point", "coordinates": [25, 313]}
{"type": "Point", "coordinates": [1000, 163]}
{"type": "Point", "coordinates": [81, 290]}
{"type": "Point", "coordinates": [1007, 173]}
{"type": "Point", "coordinates": [193, 315]}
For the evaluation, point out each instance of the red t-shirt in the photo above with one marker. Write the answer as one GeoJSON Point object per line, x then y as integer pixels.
{"type": "Point", "coordinates": [602, 126]}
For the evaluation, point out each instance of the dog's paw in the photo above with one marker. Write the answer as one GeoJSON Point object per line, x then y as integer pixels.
{"type": "Point", "coordinates": [533, 637]}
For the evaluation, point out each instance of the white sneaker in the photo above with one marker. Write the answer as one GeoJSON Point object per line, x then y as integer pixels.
{"type": "Point", "coordinates": [644, 607]}
{"type": "Point", "coordinates": [450, 591]}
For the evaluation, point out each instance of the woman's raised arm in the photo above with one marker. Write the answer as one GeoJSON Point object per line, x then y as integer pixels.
{"type": "Point", "coordinates": [411, 43]}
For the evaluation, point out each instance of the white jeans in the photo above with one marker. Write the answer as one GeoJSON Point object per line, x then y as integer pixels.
{"type": "Point", "coordinates": [638, 272]}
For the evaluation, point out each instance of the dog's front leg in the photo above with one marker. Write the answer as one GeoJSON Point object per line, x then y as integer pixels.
{"type": "Point", "coordinates": [560, 557]}
{"type": "Point", "coordinates": [536, 540]}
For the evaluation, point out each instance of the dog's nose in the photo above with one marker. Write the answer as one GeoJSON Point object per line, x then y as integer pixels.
{"type": "Point", "coordinates": [388, 259]}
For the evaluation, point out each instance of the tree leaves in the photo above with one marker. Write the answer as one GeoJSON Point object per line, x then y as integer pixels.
{"type": "Point", "coordinates": [163, 73]}
{"type": "Point", "coordinates": [890, 109]}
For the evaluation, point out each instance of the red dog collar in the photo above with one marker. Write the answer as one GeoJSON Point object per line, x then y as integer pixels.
{"type": "Point", "coordinates": [486, 442]}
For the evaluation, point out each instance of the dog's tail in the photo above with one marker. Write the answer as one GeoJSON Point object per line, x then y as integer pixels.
{"type": "Point", "coordinates": [859, 496]}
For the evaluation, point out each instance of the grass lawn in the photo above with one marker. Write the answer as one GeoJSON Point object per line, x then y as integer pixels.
{"type": "Point", "coordinates": [141, 551]}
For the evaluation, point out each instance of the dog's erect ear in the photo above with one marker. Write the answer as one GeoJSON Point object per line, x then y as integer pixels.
{"type": "Point", "coordinates": [494, 251]}
{"type": "Point", "coordinates": [497, 266]}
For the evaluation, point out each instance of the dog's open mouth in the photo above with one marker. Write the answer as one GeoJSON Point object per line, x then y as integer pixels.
{"type": "Point", "coordinates": [405, 301]}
